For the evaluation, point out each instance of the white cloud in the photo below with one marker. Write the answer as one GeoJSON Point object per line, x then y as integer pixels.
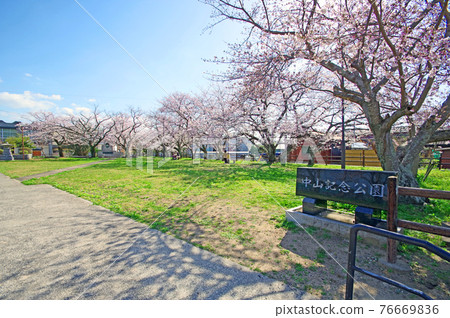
{"type": "Point", "coordinates": [92, 100]}
{"type": "Point", "coordinates": [73, 111]}
{"type": "Point", "coordinates": [49, 97]}
{"type": "Point", "coordinates": [28, 75]}
{"type": "Point", "coordinates": [1, 81]}
{"type": "Point", "coordinates": [82, 110]}
{"type": "Point", "coordinates": [68, 110]}
{"type": "Point", "coordinates": [28, 100]}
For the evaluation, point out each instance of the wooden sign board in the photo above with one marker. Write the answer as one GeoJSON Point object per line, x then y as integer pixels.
{"type": "Point", "coordinates": [359, 187]}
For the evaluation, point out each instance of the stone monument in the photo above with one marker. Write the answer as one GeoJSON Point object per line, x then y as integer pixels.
{"type": "Point", "coordinates": [7, 155]}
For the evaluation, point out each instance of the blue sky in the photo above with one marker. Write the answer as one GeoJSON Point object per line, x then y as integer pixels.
{"type": "Point", "coordinates": [54, 57]}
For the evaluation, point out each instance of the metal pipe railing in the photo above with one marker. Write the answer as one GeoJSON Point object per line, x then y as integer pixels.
{"type": "Point", "coordinates": [351, 266]}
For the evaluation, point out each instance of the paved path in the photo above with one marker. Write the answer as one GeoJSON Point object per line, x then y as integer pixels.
{"type": "Point", "coordinates": [52, 172]}
{"type": "Point", "coordinates": [54, 245]}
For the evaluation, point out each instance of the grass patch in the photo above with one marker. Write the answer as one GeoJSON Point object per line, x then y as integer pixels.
{"type": "Point", "coordinates": [22, 168]}
{"type": "Point", "coordinates": [320, 256]}
{"type": "Point", "coordinates": [280, 221]}
{"type": "Point", "coordinates": [311, 230]}
{"type": "Point", "coordinates": [299, 268]}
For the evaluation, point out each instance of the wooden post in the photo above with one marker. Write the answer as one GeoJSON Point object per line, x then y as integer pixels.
{"type": "Point", "coordinates": [392, 218]}
{"type": "Point", "coordinates": [364, 158]}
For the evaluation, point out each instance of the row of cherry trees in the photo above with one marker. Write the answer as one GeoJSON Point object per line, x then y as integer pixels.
{"type": "Point", "coordinates": [265, 113]}
{"type": "Point", "coordinates": [88, 129]}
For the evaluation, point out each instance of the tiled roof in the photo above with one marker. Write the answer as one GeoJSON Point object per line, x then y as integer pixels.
{"type": "Point", "coordinates": [8, 125]}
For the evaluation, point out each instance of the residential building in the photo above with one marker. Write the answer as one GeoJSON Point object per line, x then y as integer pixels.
{"type": "Point", "coordinates": [8, 130]}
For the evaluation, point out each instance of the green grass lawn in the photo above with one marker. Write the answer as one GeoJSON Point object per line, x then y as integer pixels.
{"type": "Point", "coordinates": [129, 190]}
{"type": "Point", "coordinates": [143, 196]}
{"type": "Point", "coordinates": [21, 168]}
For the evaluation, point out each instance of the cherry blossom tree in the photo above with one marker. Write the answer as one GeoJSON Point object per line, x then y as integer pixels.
{"type": "Point", "coordinates": [217, 120]}
{"type": "Point", "coordinates": [185, 120]}
{"type": "Point", "coordinates": [273, 110]}
{"type": "Point", "coordinates": [162, 140]}
{"type": "Point", "coordinates": [128, 128]}
{"type": "Point", "coordinates": [390, 58]}
{"type": "Point", "coordinates": [46, 127]}
{"type": "Point", "coordinates": [266, 113]}
{"type": "Point", "coordinates": [174, 122]}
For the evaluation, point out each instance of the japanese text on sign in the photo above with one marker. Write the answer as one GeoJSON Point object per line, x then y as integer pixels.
{"type": "Point", "coordinates": [376, 190]}
{"type": "Point", "coordinates": [359, 187]}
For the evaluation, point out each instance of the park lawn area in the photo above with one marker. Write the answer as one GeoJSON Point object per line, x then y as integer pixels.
{"type": "Point", "coordinates": [22, 168]}
{"type": "Point", "coordinates": [132, 191]}
{"type": "Point", "coordinates": [238, 211]}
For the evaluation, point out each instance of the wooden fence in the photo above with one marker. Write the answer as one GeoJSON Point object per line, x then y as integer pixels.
{"type": "Point", "coordinates": [369, 158]}
{"type": "Point", "coordinates": [393, 222]}
{"type": "Point", "coordinates": [357, 157]}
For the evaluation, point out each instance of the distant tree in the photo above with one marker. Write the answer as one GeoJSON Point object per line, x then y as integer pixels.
{"type": "Point", "coordinates": [217, 120]}
{"type": "Point", "coordinates": [89, 128]}
{"type": "Point", "coordinates": [46, 127]}
{"type": "Point", "coordinates": [273, 111]}
{"type": "Point", "coordinates": [127, 127]}
{"type": "Point", "coordinates": [174, 121]}
{"type": "Point", "coordinates": [17, 141]}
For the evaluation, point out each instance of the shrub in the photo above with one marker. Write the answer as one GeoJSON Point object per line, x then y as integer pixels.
{"type": "Point", "coordinates": [17, 141]}
{"type": "Point", "coordinates": [26, 151]}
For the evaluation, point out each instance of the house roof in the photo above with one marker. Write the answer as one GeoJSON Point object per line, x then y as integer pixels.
{"type": "Point", "coordinates": [5, 125]}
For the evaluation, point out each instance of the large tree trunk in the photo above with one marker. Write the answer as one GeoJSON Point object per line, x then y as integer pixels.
{"type": "Point", "coordinates": [60, 149]}
{"type": "Point", "coordinates": [204, 149]}
{"type": "Point", "coordinates": [128, 151]}
{"type": "Point", "coordinates": [92, 149]}
{"type": "Point", "coordinates": [393, 159]}
{"type": "Point", "coordinates": [271, 157]}
{"type": "Point", "coordinates": [406, 177]}
{"type": "Point", "coordinates": [179, 148]}
{"type": "Point", "coordinates": [390, 159]}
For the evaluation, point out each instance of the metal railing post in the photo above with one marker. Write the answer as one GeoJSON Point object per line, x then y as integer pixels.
{"type": "Point", "coordinates": [352, 268]}
{"type": "Point", "coordinates": [351, 265]}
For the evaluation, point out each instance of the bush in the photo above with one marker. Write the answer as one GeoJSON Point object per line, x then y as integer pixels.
{"type": "Point", "coordinates": [26, 151]}
{"type": "Point", "coordinates": [1, 151]}
{"type": "Point", "coordinates": [17, 142]}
